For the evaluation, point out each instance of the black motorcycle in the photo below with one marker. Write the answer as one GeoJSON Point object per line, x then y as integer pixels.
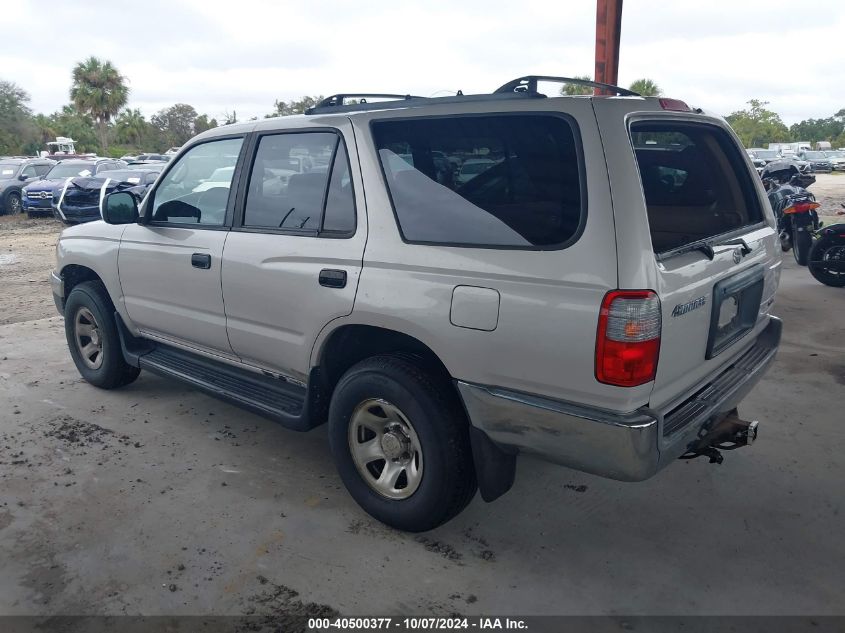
{"type": "Point", "coordinates": [794, 207]}
{"type": "Point", "coordinates": [827, 257]}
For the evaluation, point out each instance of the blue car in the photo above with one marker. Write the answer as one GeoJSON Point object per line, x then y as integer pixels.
{"type": "Point", "coordinates": [37, 196]}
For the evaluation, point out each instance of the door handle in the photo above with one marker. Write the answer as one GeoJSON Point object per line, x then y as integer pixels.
{"type": "Point", "coordinates": [201, 260]}
{"type": "Point", "coordinates": [331, 278]}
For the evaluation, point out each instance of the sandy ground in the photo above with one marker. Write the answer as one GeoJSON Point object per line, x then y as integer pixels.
{"type": "Point", "coordinates": [27, 255]}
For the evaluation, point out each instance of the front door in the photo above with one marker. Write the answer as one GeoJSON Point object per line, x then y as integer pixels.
{"type": "Point", "coordinates": [294, 256]}
{"type": "Point", "coordinates": [170, 267]}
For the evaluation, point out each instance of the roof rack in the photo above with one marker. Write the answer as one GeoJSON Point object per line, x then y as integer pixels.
{"type": "Point", "coordinates": [529, 84]}
{"type": "Point", "coordinates": [334, 101]}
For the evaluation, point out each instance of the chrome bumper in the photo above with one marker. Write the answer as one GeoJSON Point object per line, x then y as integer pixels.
{"type": "Point", "coordinates": [627, 447]}
{"type": "Point", "coordinates": [58, 286]}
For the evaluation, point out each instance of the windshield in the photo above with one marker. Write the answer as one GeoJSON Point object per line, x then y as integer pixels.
{"type": "Point", "coordinates": [7, 171]}
{"type": "Point", "coordinates": [766, 154]}
{"type": "Point", "coordinates": [815, 155]}
{"type": "Point", "coordinates": [69, 170]}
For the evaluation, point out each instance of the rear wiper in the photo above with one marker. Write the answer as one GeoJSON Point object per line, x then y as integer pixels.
{"type": "Point", "coordinates": [746, 249]}
{"type": "Point", "coordinates": [702, 245]}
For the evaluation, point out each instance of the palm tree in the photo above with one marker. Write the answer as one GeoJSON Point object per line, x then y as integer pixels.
{"type": "Point", "coordinates": [131, 126]}
{"type": "Point", "coordinates": [577, 89]}
{"type": "Point", "coordinates": [99, 91]}
{"type": "Point", "coordinates": [646, 87]}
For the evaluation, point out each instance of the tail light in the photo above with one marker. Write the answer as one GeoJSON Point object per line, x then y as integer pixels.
{"type": "Point", "coordinates": [628, 341]}
{"type": "Point", "coordinates": [802, 207]}
{"type": "Point", "coordinates": [675, 105]}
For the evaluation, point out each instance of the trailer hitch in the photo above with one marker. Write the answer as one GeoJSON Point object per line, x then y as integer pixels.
{"type": "Point", "coordinates": [728, 434]}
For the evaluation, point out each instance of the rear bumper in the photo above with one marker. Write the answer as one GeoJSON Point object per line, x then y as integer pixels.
{"type": "Point", "coordinates": [627, 447]}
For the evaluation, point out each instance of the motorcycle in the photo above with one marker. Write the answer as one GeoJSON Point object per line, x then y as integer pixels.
{"type": "Point", "coordinates": [794, 207]}
{"type": "Point", "coordinates": [827, 257]}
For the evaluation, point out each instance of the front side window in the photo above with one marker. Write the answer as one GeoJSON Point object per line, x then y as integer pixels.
{"type": "Point", "coordinates": [490, 180]}
{"type": "Point", "coordinates": [196, 190]}
{"type": "Point", "coordinates": [28, 172]}
{"type": "Point", "coordinates": [695, 182]}
{"type": "Point", "coordinates": [42, 169]}
{"type": "Point", "coordinates": [300, 182]}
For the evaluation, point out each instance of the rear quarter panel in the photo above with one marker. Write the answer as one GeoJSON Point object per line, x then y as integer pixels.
{"type": "Point", "coordinates": [544, 339]}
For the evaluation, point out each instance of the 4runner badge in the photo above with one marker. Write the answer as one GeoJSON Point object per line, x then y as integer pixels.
{"type": "Point", "coordinates": [683, 308]}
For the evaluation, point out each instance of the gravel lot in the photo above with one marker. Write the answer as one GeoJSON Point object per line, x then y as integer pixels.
{"type": "Point", "coordinates": [156, 499]}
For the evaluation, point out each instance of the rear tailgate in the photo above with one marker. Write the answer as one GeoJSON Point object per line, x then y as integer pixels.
{"type": "Point", "coordinates": [681, 180]}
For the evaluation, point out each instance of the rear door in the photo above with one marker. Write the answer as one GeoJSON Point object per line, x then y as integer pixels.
{"type": "Point", "coordinates": [293, 259]}
{"type": "Point", "coordinates": [693, 225]}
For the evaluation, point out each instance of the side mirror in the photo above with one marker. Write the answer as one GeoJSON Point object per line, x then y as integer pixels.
{"type": "Point", "coordinates": [120, 207]}
{"type": "Point", "coordinates": [23, 177]}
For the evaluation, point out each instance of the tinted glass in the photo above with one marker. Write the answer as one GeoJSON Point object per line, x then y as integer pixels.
{"type": "Point", "coordinates": [695, 182]}
{"type": "Point", "coordinates": [339, 216]}
{"type": "Point", "coordinates": [42, 169]}
{"type": "Point", "coordinates": [28, 171]}
{"type": "Point", "coordinates": [488, 180]}
{"type": "Point", "coordinates": [287, 185]}
{"type": "Point", "coordinates": [196, 189]}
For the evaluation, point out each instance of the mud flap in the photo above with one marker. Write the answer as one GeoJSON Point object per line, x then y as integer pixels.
{"type": "Point", "coordinates": [495, 469]}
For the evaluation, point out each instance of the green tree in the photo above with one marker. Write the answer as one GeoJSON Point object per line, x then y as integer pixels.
{"type": "Point", "coordinates": [296, 106]}
{"type": "Point", "coordinates": [131, 127]}
{"type": "Point", "coordinates": [202, 123]}
{"type": "Point", "coordinates": [576, 89]}
{"type": "Point", "coordinates": [99, 91]}
{"type": "Point", "coordinates": [757, 126]}
{"type": "Point", "coordinates": [16, 128]}
{"type": "Point", "coordinates": [175, 123]}
{"type": "Point", "coordinates": [645, 87]}
{"type": "Point", "coordinates": [819, 129]}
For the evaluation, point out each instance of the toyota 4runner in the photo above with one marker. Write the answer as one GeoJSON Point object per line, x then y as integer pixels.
{"type": "Point", "coordinates": [448, 282]}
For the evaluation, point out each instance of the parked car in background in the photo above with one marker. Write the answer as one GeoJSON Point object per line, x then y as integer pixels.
{"type": "Point", "coordinates": [129, 157]}
{"type": "Point", "coordinates": [801, 165]}
{"type": "Point", "coordinates": [172, 151]}
{"type": "Point", "coordinates": [766, 155]}
{"type": "Point", "coordinates": [837, 159]}
{"type": "Point", "coordinates": [78, 200]}
{"type": "Point", "coordinates": [37, 197]}
{"type": "Point", "coordinates": [819, 162]}
{"type": "Point", "coordinates": [471, 168]}
{"type": "Point", "coordinates": [14, 174]}
{"type": "Point", "coordinates": [758, 163]}
{"type": "Point", "coordinates": [146, 158]}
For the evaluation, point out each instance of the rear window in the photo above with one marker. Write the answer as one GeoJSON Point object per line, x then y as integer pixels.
{"type": "Point", "coordinates": [493, 180]}
{"type": "Point", "coordinates": [695, 182]}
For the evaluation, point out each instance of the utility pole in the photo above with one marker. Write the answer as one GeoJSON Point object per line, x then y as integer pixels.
{"type": "Point", "coordinates": [608, 29]}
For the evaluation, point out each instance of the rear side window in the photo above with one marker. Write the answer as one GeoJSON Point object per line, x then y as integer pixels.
{"type": "Point", "coordinates": [492, 180]}
{"type": "Point", "coordinates": [695, 182]}
{"type": "Point", "coordinates": [300, 182]}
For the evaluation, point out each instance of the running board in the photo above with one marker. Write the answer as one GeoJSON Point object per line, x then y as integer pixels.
{"type": "Point", "coordinates": [270, 397]}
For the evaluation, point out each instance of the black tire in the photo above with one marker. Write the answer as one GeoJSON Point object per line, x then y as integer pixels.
{"type": "Point", "coordinates": [13, 203]}
{"type": "Point", "coordinates": [112, 371]}
{"type": "Point", "coordinates": [429, 402]}
{"type": "Point", "coordinates": [802, 241]}
{"type": "Point", "coordinates": [816, 263]}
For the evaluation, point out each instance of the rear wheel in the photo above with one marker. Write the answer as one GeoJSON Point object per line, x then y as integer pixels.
{"type": "Point", "coordinates": [13, 204]}
{"type": "Point", "coordinates": [93, 339]}
{"type": "Point", "coordinates": [802, 241]}
{"type": "Point", "coordinates": [827, 261]}
{"type": "Point", "coordinates": [400, 440]}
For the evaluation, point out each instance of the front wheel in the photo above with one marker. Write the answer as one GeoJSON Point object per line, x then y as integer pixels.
{"type": "Point", "coordinates": [400, 441]}
{"type": "Point", "coordinates": [13, 204]}
{"type": "Point", "coordinates": [827, 261]}
{"type": "Point", "coordinates": [93, 339]}
{"type": "Point", "coordinates": [802, 241]}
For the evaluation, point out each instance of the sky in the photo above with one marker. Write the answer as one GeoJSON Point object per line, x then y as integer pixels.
{"type": "Point", "coordinates": [242, 55]}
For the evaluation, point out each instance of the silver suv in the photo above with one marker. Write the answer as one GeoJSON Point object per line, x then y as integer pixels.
{"type": "Point", "coordinates": [448, 282]}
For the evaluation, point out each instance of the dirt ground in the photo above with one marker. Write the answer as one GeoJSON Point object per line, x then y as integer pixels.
{"type": "Point", "coordinates": [156, 499]}
{"type": "Point", "coordinates": [27, 255]}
